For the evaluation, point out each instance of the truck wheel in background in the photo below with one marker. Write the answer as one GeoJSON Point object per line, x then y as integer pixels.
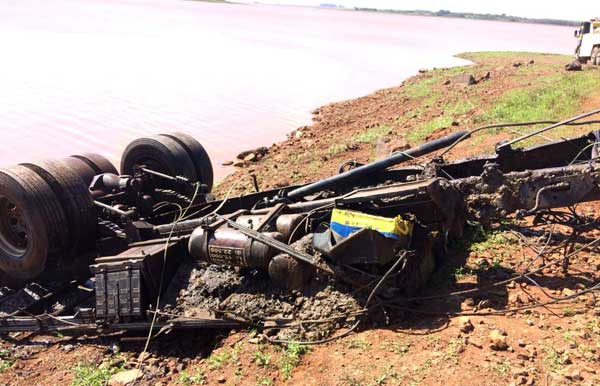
{"type": "Point", "coordinates": [161, 154]}
{"type": "Point", "coordinates": [33, 225]}
{"type": "Point", "coordinates": [76, 201]}
{"type": "Point", "coordinates": [82, 168]}
{"type": "Point", "coordinates": [100, 164]}
{"type": "Point", "coordinates": [199, 156]}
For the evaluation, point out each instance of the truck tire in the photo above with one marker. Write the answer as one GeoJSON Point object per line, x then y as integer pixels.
{"type": "Point", "coordinates": [100, 164]}
{"type": "Point", "coordinates": [199, 156]}
{"type": "Point", "coordinates": [33, 225]}
{"type": "Point", "coordinates": [76, 201]}
{"type": "Point", "coordinates": [83, 169]}
{"type": "Point", "coordinates": [161, 154]}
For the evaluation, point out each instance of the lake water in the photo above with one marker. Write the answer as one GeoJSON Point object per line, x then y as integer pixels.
{"type": "Point", "coordinates": [90, 75]}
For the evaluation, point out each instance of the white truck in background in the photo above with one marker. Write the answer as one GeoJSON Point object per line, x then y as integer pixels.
{"type": "Point", "coordinates": [588, 47]}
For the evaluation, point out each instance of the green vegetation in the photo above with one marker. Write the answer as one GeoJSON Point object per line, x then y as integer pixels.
{"type": "Point", "coordinates": [187, 379]}
{"type": "Point", "coordinates": [422, 88]}
{"type": "Point", "coordinates": [86, 373]}
{"type": "Point", "coordinates": [6, 360]}
{"type": "Point", "coordinates": [502, 368]}
{"type": "Point", "coordinates": [455, 347]}
{"type": "Point", "coordinates": [262, 359]}
{"type": "Point", "coordinates": [264, 382]}
{"type": "Point", "coordinates": [372, 135]}
{"type": "Point", "coordinates": [429, 127]}
{"type": "Point", "coordinates": [474, 16]}
{"type": "Point", "coordinates": [554, 97]}
{"type": "Point", "coordinates": [397, 347]}
{"type": "Point", "coordinates": [359, 343]}
{"type": "Point", "coordinates": [337, 148]}
{"type": "Point", "coordinates": [389, 374]}
{"type": "Point", "coordinates": [291, 358]}
{"type": "Point", "coordinates": [218, 360]}
{"type": "Point", "coordinates": [553, 360]}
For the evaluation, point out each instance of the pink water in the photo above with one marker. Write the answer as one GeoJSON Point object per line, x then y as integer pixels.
{"type": "Point", "coordinates": [91, 75]}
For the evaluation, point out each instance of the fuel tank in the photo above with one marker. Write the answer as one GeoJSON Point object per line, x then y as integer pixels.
{"type": "Point", "coordinates": [227, 246]}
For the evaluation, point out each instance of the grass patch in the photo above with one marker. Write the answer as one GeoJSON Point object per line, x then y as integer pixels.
{"type": "Point", "coordinates": [389, 374]}
{"type": "Point", "coordinates": [437, 123]}
{"type": "Point", "coordinates": [359, 343]}
{"type": "Point", "coordinates": [86, 373]}
{"type": "Point", "coordinates": [553, 360]}
{"type": "Point", "coordinates": [397, 347]}
{"type": "Point", "coordinates": [460, 107]}
{"type": "Point", "coordinates": [337, 148]}
{"type": "Point", "coordinates": [218, 360]}
{"type": "Point", "coordinates": [421, 88]}
{"type": "Point", "coordinates": [262, 359]}
{"type": "Point", "coordinates": [455, 347]}
{"type": "Point", "coordinates": [291, 358]}
{"type": "Point", "coordinates": [264, 382]}
{"type": "Point", "coordinates": [372, 135]}
{"type": "Point", "coordinates": [502, 368]}
{"type": "Point", "coordinates": [187, 379]}
{"type": "Point", "coordinates": [478, 239]}
{"type": "Point", "coordinates": [554, 97]}
{"type": "Point", "coordinates": [6, 361]}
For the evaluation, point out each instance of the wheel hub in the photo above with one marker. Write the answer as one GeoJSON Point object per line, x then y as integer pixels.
{"type": "Point", "coordinates": [14, 232]}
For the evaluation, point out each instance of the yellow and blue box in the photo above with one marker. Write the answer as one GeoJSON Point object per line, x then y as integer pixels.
{"type": "Point", "coordinates": [346, 222]}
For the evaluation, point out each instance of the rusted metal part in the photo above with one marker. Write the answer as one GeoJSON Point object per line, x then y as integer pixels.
{"type": "Point", "coordinates": [226, 246]}
{"type": "Point", "coordinates": [86, 323]}
{"type": "Point", "coordinates": [494, 195]}
{"type": "Point", "coordinates": [285, 248]}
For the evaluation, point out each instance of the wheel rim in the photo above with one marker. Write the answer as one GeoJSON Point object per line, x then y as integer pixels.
{"type": "Point", "coordinates": [14, 231]}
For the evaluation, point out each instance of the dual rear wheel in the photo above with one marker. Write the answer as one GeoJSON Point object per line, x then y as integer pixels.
{"type": "Point", "coordinates": [47, 215]}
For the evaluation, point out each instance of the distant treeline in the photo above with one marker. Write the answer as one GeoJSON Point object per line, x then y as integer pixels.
{"type": "Point", "coordinates": [478, 16]}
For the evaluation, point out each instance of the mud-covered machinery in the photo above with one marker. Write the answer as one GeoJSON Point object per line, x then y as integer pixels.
{"type": "Point", "coordinates": [119, 237]}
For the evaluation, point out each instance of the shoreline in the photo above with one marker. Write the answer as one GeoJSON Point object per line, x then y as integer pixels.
{"type": "Point", "coordinates": [430, 104]}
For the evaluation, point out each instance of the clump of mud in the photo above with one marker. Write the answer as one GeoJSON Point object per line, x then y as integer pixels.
{"type": "Point", "coordinates": [315, 312]}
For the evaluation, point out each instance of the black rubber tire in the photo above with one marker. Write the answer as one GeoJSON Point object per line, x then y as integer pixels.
{"type": "Point", "coordinates": [199, 156]}
{"type": "Point", "coordinates": [100, 164]}
{"type": "Point", "coordinates": [76, 200]}
{"type": "Point", "coordinates": [161, 154]}
{"type": "Point", "coordinates": [82, 168]}
{"type": "Point", "coordinates": [45, 219]}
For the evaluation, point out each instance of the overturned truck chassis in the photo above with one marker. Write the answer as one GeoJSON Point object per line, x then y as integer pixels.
{"type": "Point", "coordinates": [154, 215]}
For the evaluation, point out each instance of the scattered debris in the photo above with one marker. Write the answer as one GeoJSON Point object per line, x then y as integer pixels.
{"type": "Point", "coordinates": [253, 155]}
{"type": "Point", "coordinates": [125, 378]}
{"type": "Point", "coordinates": [465, 325]}
{"type": "Point", "coordinates": [498, 340]}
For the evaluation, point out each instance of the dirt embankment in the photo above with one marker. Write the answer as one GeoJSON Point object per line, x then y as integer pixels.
{"type": "Point", "coordinates": [558, 344]}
